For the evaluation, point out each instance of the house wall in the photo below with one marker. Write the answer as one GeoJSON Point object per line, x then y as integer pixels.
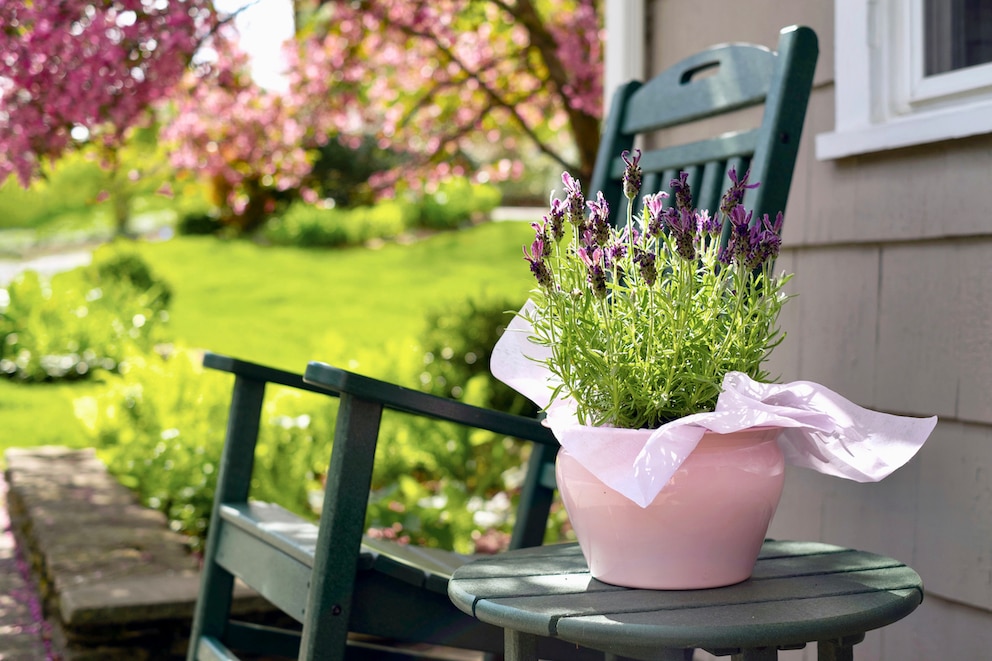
{"type": "Point", "coordinates": [892, 255]}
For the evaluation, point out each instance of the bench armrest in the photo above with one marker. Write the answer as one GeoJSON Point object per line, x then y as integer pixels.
{"type": "Point", "coordinates": [398, 398]}
{"type": "Point", "coordinates": [261, 373]}
{"type": "Point", "coordinates": [329, 380]}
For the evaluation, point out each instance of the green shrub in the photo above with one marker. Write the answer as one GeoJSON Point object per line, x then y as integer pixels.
{"type": "Point", "coordinates": [155, 428]}
{"type": "Point", "coordinates": [311, 225]}
{"type": "Point", "coordinates": [465, 482]}
{"type": "Point", "coordinates": [118, 266]}
{"type": "Point", "coordinates": [458, 341]}
{"type": "Point", "coordinates": [199, 223]}
{"type": "Point", "coordinates": [81, 321]}
{"type": "Point", "coordinates": [457, 202]}
{"type": "Point", "coordinates": [342, 173]}
{"type": "Point", "coordinates": [70, 186]}
{"type": "Point", "coordinates": [159, 426]}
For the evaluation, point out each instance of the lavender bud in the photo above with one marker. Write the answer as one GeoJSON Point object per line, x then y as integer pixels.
{"type": "Point", "coordinates": [646, 264]}
{"type": "Point", "coordinates": [654, 207]}
{"type": "Point", "coordinates": [543, 237]}
{"type": "Point", "coordinates": [556, 219]}
{"type": "Point", "coordinates": [597, 281]}
{"type": "Point", "coordinates": [632, 175]}
{"type": "Point", "coordinates": [542, 274]}
{"type": "Point", "coordinates": [599, 219]}
{"type": "Point", "coordinates": [574, 200]}
{"type": "Point", "coordinates": [735, 194]}
{"type": "Point", "coordinates": [596, 275]}
{"type": "Point", "coordinates": [685, 246]}
{"type": "Point", "coordinates": [615, 251]}
{"type": "Point", "coordinates": [538, 267]}
{"type": "Point", "coordinates": [681, 191]}
{"type": "Point", "coordinates": [739, 247]}
{"type": "Point", "coordinates": [681, 224]}
{"type": "Point", "coordinates": [765, 242]}
{"type": "Point", "coordinates": [707, 225]}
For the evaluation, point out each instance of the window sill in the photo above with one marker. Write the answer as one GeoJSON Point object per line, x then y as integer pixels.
{"type": "Point", "coordinates": [905, 131]}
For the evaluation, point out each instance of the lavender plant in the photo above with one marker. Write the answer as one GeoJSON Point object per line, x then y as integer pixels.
{"type": "Point", "coordinates": [644, 321]}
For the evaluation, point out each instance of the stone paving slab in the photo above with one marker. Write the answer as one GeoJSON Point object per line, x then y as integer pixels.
{"type": "Point", "coordinates": [117, 584]}
{"type": "Point", "coordinates": [116, 581]}
{"type": "Point", "coordinates": [24, 635]}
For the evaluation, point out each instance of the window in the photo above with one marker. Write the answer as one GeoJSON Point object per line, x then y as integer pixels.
{"type": "Point", "coordinates": [909, 72]}
{"type": "Point", "coordinates": [956, 35]}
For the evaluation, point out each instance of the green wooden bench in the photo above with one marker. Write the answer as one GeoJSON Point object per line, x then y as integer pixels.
{"type": "Point", "coordinates": [331, 579]}
{"type": "Point", "coordinates": [367, 586]}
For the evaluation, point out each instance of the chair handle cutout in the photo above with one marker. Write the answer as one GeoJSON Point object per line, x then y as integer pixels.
{"type": "Point", "coordinates": [703, 70]}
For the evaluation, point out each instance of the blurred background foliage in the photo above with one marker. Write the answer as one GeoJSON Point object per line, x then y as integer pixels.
{"type": "Point", "coordinates": [108, 354]}
{"type": "Point", "coordinates": [423, 314]}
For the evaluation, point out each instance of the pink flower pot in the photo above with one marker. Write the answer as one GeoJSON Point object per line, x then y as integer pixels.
{"type": "Point", "coordinates": [704, 529]}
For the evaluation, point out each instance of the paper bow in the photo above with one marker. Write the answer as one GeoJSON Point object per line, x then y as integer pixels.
{"type": "Point", "coordinates": [820, 429]}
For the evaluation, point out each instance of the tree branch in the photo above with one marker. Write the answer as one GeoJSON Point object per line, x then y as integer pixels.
{"type": "Point", "coordinates": [497, 101]}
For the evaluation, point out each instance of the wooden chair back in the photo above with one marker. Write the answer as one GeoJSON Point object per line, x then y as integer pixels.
{"type": "Point", "coordinates": [718, 81]}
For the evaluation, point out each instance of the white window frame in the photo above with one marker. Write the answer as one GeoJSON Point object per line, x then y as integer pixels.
{"type": "Point", "coordinates": [883, 100]}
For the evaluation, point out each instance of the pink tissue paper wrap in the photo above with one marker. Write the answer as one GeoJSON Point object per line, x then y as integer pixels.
{"type": "Point", "coordinates": [819, 429]}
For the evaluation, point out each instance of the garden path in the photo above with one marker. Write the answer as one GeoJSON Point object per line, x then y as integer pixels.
{"type": "Point", "coordinates": [24, 634]}
{"type": "Point", "coordinates": [45, 265]}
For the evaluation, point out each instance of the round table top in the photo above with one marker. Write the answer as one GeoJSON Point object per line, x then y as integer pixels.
{"type": "Point", "coordinates": [799, 592]}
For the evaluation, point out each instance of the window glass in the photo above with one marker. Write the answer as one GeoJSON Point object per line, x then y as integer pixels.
{"type": "Point", "coordinates": [958, 34]}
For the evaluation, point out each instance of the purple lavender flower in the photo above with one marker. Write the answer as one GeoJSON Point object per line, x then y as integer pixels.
{"type": "Point", "coordinates": [535, 257]}
{"type": "Point", "coordinates": [654, 207]}
{"type": "Point", "coordinates": [632, 175]}
{"type": "Point", "coordinates": [739, 245]}
{"type": "Point", "coordinates": [777, 226]}
{"type": "Point", "coordinates": [615, 251]}
{"type": "Point", "coordinates": [574, 200]}
{"type": "Point", "coordinates": [681, 224]}
{"type": "Point", "coordinates": [707, 225]}
{"type": "Point", "coordinates": [681, 191]}
{"type": "Point", "coordinates": [645, 261]}
{"type": "Point", "coordinates": [735, 194]}
{"type": "Point", "coordinates": [542, 233]}
{"type": "Point", "coordinates": [593, 259]}
{"type": "Point", "coordinates": [599, 219]}
{"type": "Point", "coordinates": [765, 242]}
{"type": "Point", "coordinates": [555, 219]}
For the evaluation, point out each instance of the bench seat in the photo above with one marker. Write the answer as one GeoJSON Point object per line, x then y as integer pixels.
{"type": "Point", "coordinates": [274, 550]}
{"type": "Point", "coordinates": [288, 542]}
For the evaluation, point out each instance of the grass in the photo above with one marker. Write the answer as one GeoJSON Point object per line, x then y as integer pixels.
{"type": "Point", "coordinates": [282, 306]}
{"type": "Point", "coordinates": [41, 414]}
{"type": "Point", "coordinates": [285, 306]}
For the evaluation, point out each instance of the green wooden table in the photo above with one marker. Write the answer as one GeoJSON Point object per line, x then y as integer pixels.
{"type": "Point", "coordinates": [800, 592]}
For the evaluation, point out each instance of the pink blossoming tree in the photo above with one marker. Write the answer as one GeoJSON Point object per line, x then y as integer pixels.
{"type": "Point", "coordinates": [250, 142]}
{"type": "Point", "coordinates": [455, 86]}
{"type": "Point", "coordinates": [443, 80]}
{"type": "Point", "coordinates": [88, 69]}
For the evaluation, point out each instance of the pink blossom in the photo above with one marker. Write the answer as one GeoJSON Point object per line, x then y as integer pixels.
{"type": "Point", "coordinates": [94, 65]}
{"type": "Point", "coordinates": [452, 82]}
{"type": "Point", "coordinates": [438, 87]}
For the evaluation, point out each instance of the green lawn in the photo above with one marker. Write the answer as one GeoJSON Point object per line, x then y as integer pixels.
{"type": "Point", "coordinates": [285, 306]}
